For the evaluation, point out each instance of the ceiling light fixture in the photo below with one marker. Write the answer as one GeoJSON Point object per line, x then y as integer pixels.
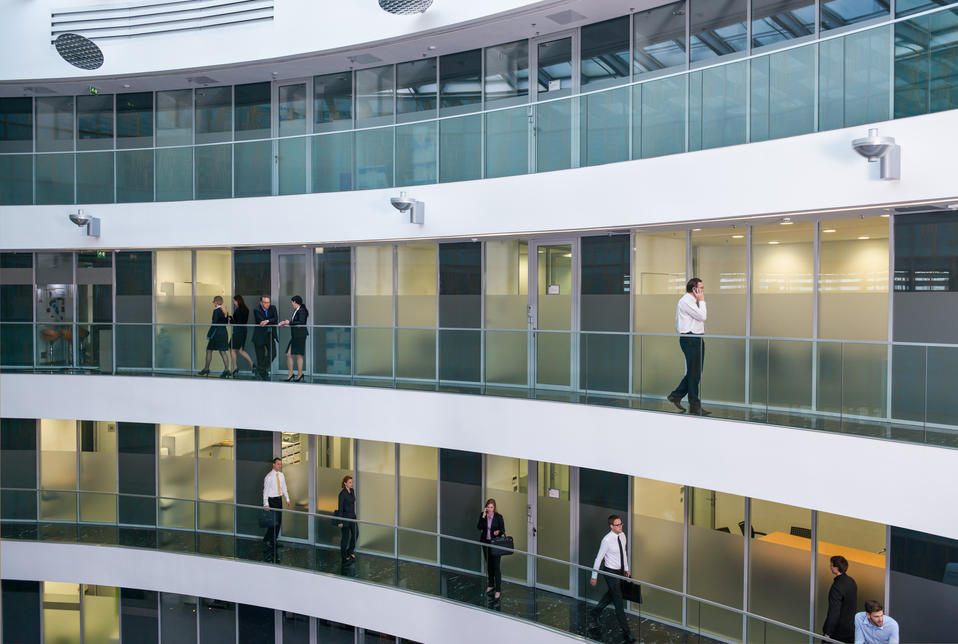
{"type": "Point", "coordinates": [92, 224]}
{"type": "Point", "coordinates": [738, 236]}
{"type": "Point", "coordinates": [880, 148]}
{"type": "Point", "coordinates": [773, 243]}
{"type": "Point", "coordinates": [787, 221]}
{"type": "Point", "coordinates": [695, 230]}
{"type": "Point", "coordinates": [829, 230]}
{"type": "Point", "coordinates": [416, 209]}
{"type": "Point", "coordinates": [864, 237]}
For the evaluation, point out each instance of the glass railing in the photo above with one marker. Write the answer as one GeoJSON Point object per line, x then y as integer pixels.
{"type": "Point", "coordinates": [898, 391]}
{"type": "Point", "coordinates": [868, 75]}
{"type": "Point", "coordinates": [552, 593]}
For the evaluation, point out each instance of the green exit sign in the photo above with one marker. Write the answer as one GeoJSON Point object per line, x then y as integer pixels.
{"type": "Point", "coordinates": [101, 253]}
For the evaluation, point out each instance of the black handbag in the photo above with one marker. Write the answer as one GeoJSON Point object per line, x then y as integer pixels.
{"type": "Point", "coordinates": [631, 591]}
{"type": "Point", "coordinates": [267, 519]}
{"type": "Point", "coordinates": [501, 545]}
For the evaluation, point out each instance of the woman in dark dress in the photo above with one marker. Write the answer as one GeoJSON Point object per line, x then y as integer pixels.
{"type": "Point", "coordinates": [297, 340]}
{"type": "Point", "coordinates": [238, 341]}
{"type": "Point", "coordinates": [217, 339]}
{"type": "Point", "coordinates": [491, 524]}
{"type": "Point", "coordinates": [347, 510]}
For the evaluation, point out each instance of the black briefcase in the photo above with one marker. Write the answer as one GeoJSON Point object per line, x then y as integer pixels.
{"type": "Point", "coordinates": [501, 545]}
{"type": "Point", "coordinates": [631, 591]}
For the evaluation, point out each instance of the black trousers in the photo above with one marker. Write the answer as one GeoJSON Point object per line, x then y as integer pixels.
{"type": "Point", "coordinates": [493, 569]}
{"type": "Point", "coordinates": [693, 346]}
{"type": "Point", "coordinates": [613, 595]}
{"type": "Point", "coordinates": [264, 358]}
{"type": "Point", "coordinates": [272, 532]}
{"type": "Point", "coordinates": [347, 540]}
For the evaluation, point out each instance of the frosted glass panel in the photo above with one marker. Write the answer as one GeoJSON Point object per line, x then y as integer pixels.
{"type": "Point", "coordinates": [659, 279]}
{"type": "Point", "coordinates": [553, 359]}
{"type": "Point", "coordinates": [295, 454]}
{"type": "Point", "coordinates": [415, 353]}
{"type": "Point", "coordinates": [416, 297]}
{"type": "Point", "coordinates": [61, 613]}
{"type": "Point", "coordinates": [376, 495]}
{"type": "Point", "coordinates": [214, 276]}
{"type": "Point", "coordinates": [719, 259]}
{"type": "Point", "coordinates": [177, 476]}
{"type": "Point", "coordinates": [507, 284]}
{"type": "Point", "coordinates": [507, 481]}
{"type": "Point", "coordinates": [98, 471]}
{"type": "Point", "coordinates": [716, 556]}
{"type": "Point", "coordinates": [779, 558]}
{"type": "Point", "coordinates": [852, 378]}
{"type": "Point", "coordinates": [374, 285]}
{"type": "Point", "coordinates": [334, 460]}
{"type": "Point", "coordinates": [374, 352]}
{"type": "Point", "coordinates": [554, 527]}
{"type": "Point", "coordinates": [58, 469]}
{"type": "Point", "coordinates": [781, 373]}
{"type": "Point", "coordinates": [215, 481]}
{"type": "Point", "coordinates": [782, 267]}
{"type": "Point", "coordinates": [658, 364]}
{"type": "Point", "coordinates": [723, 375]}
{"type": "Point", "coordinates": [101, 614]}
{"type": "Point", "coordinates": [853, 279]}
{"type": "Point", "coordinates": [418, 498]}
{"type": "Point", "coordinates": [507, 357]}
{"type": "Point", "coordinates": [174, 286]}
{"type": "Point", "coordinates": [657, 543]}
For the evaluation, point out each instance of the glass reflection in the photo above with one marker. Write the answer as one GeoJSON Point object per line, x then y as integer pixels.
{"type": "Point", "coordinates": [507, 73]}
{"type": "Point", "coordinates": [659, 38]}
{"type": "Point", "coordinates": [718, 28]}
{"type": "Point", "coordinates": [777, 20]}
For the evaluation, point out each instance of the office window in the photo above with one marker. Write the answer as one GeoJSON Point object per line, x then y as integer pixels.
{"type": "Point", "coordinates": [604, 51]}
{"type": "Point", "coordinates": [600, 494]}
{"type": "Point", "coordinates": [460, 82]}
{"type": "Point", "coordinates": [174, 117]}
{"type": "Point", "coordinates": [16, 125]}
{"type": "Point", "coordinates": [214, 114]}
{"type": "Point", "coordinates": [416, 89]}
{"type": "Point", "coordinates": [16, 178]}
{"type": "Point", "coordinates": [460, 148]}
{"type": "Point", "coordinates": [215, 481]}
{"type": "Point", "coordinates": [58, 469]}
{"type": "Point", "coordinates": [507, 481]}
{"type": "Point", "coordinates": [18, 468]}
{"type": "Point", "coordinates": [854, 79]}
{"type": "Point", "coordinates": [100, 606]}
{"type": "Point", "coordinates": [139, 616]}
{"type": "Point", "coordinates": [98, 471]}
{"type": "Point", "coordinates": [135, 175]}
{"type": "Point", "coordinates": [924, 58]}
{"type": "Point", "coordinates": [418, 502]}
{"type": "Point", "coordinates": [657, 543]}
{"type": "Point", "coordinates": [134, 304]}
{"type": "Point", "coordinates": [606, 286]}
{"type": "Point", "coordinates": [252, 111]}
{"type": "Point", "coordinates": [178, 615]}
{"type": "Point", "coordinates": [332, 101]}
{"type": "Point", "coordinates": [506, 299]}
{"type": "Point", "coordinates": [95, 177]}
{"type": "Point", "coordinates": [507, 74]}
{"type": "Point", "coordinates": [375, 92]}
{"type": "Point", "coordinates": [95, 122]}
{"type": "Point", "coordinates": [777, 20]}
{"type": "Point", "coordinates": [134, 120]}
{"type": "Point", "coordinates": [136, 472]}
{"type": "Point", "coordinates": [177, 476]}
{"type": "Point", "coordinates": [460, 488]}
{"type": "Point", "coordinates": [254, 457]}
{"type": "Point", "coordinates": [54, 123]}
{"type": "Point", "coordinates": [376, 495]}
{"type": "Point", "coordinates": [717, 98]}
{"type": "Point", "coordinates": [21, 610]}
{"type": "Point", "coordinates": [416, 307]}
{"type": "Point", "coordinates": [842, 13]}
{"type": "Point", "coordinates": [783, 94]}
{"type": "Point", "coordinates": [256, 624]}
{"type": "Point", "coordinates": [659, 38]}
{"type": "Point", "coordinates": [460, 307]}
{"type": "Point", "coordinates": [718, 28]}
{"type": "Point", "coordinates": [217, 620]}
{"type": "Point", "coordinates": [214, 270]}
{"type": "Point", "coordinates": [924, 583]}
{"type": "Point", "coordinates": [16, 306]}
{"type": "Point", "coordinates": [61, 612]}
{"type": "Point", "coordinates": [174, 308]}
{"type": "Point", "coordinates": [296, 628]}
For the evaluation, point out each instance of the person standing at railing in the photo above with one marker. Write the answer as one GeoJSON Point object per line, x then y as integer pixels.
{"type": "Point", "coordinates": [612, 559]}
{"type": "Point", "coordinates": [217, 339]}
{"type": "Point", "coordinates": [274, 491]}
{"type": "Point", "coordinates": [690, 315]}
{"type": "Point", "coordinates": [264, 315]}
{"type": "Point", "coordinates": [297, 339]}
{"type": "Point", "coordinates": [842, 600]}
{"type": "Point", "coordinates": [238, 342]}
{"type": "Point", "coordinates": [347, 510]}
{"type": "Point", "coordinates": [491, 525]}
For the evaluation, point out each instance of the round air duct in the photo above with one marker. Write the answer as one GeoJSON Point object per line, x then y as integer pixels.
{"type": "Point", "coordinates": [405, 7]}
{"type": "Point", "coordinates": [79, 51]}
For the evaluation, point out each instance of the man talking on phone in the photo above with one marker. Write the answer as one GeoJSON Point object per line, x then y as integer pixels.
{"type": "Point", "coordinates": [690, 317]}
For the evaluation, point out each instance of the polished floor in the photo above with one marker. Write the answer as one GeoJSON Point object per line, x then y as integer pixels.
{"type": "Point", "coordinates": [551, 609]}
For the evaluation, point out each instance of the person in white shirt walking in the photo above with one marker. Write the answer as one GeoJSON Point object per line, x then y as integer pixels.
{"type": "Point", "coordinates": [612, 558]}
{"type": "Point", "coordinates": [274, 491]}
{"type": "Point", "coordinates": [690, 315]}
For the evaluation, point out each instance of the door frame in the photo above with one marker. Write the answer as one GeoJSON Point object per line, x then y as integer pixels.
{"type": "Point", "coordinates": [274, 127]}
{"type": "Point", "coordinates": [274, 287]}
{"type": "Point", "coordinates": [532, 307]}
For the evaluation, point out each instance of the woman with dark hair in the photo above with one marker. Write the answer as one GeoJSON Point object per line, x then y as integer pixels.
{"type": "Point", "coordinates": [347, 510]}
{"type": "Point", "coordinates": [297, 339]}
{"type": "Point", "coordinates": [238, 342]}
{"type": "Point", "coordinates": [491, 524]}
{"type": "Point", "coordinates": [217, 339]}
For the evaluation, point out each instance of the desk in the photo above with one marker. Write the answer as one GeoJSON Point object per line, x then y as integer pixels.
{"type": "Point", "coordinates": [854, 555]}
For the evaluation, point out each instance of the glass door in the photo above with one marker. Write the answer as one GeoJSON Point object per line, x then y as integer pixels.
{"type": "Point", "coordinates": [556, 77]}
{"type": "Point", "coordinates": [291, 276]}
{"type": "Point", "coordinates": [552, 318]}
{"type": "Point", "coordinates": [291, 148]}
{"type": "Point", "coordinates": [551, 509]}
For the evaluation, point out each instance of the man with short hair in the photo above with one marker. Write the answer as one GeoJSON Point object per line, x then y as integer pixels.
{"type": "Point", "coordinates": [873, 626]}
{"type": "Point", "coordinates": [690, 315]}
{"type": "Point", "coordinates": [264, 315]}
{"type": "Point", "coordinates": [842, 599]}
{"type": "Point", "coordinates": [274, 491]}
{"type": "Point", "coordinates": [612, 558]}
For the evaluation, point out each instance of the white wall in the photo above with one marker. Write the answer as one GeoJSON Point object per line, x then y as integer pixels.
{"type": "Point", "coordinates": [813, 171]}
{"type": "Point", "coordinates": [900, 484]}
{"type": "Point", "coordinates": [396, 611]}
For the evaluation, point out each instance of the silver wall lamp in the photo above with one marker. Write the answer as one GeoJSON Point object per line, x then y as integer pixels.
{"type": "Point", "coordinates": [881, 148]}
{"type": "Point", "coordinates": [416, 209]}
{"type": "Point", "coordinates": [92, 223]}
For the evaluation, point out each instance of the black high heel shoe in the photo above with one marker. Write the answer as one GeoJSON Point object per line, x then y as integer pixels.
{"type": "Point", "coordinates": [290, 379]}
{"type": "Point", "coordinates": [225, 374]}
{"type": "Point", "coordinates": [234, 372]}
{"type": "Point", "coordinates": [300, 379]}
{"type": "Point", "coordinates": [204, 372]}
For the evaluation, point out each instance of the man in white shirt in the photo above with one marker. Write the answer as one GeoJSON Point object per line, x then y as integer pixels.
{"type": "Point", "coordinates": [690, 317]}
{"type": "Point", "coordinates": [612, 558]}
{"type": "Point", "coordinates": [274, 491]}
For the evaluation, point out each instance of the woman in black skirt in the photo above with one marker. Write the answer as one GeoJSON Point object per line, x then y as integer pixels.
{"type": "Point", "coordinates": [217, 339]}
{"type": "Point", "coordinates": [297, 340]}
{"type": "Point", "coordinates": [238, 341]}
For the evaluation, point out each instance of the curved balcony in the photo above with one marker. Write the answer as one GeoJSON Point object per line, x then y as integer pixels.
{"type": "Point", "coordinates": [428, 573]}
{"type": "Point", "coordinates": [795, 90]}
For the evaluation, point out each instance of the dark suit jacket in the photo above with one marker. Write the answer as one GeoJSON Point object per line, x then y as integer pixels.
{"type": "Point", "coordinates": [297, 323]}
{"type": "Point", "coordinates": [216, 331]}
{"type": "Point", "coordinates": [842, 604]}
{"type": "Point", "coordinates": [262, 335]}
{"type": "Point", "coordinates": [347, 504]}
{"type": "Point", "coordinates": [498, 523]}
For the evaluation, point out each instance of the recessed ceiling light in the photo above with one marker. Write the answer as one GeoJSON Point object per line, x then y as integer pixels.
{"type": "Point", "coordinates": [886, 215]}
{"type": "Point", "coordinates": [695, 230]}
{"type": "Point", "coordinates": [126, 85]}
{"type": "Point", "coordinates": [431, 48]}
{"type": "Point", "coordinates": [787, 222]}
{"type": "Point", "coordinates": [738, 236]}
{"type": "Point", "coordinates": [864, 237]}
{"type": "Point", "coordinates": [953, 206]}
{"type": "Point", "coordinates": [567, 254]}
{"type": "Point", "coordinates": [773, 242]}
{"type": "Point", "coordinates": [829, 230]}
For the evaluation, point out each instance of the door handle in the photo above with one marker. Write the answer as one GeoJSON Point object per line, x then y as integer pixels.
{"type": "Point", "coordinates": [533, 531]}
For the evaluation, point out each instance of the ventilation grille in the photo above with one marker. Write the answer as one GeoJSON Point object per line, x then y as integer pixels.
{"type": "Point", "coordinates": [405, 7]}
{"type": "Point", "coordinates": [150, 18]}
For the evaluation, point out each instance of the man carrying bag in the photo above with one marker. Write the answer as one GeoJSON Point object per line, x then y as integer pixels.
{"type": "Point", "coordinates": [611, 559]}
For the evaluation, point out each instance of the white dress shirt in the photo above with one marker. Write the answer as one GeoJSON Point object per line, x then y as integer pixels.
{"type": "Point", "coordinates": [272, 485]}
{"type": "Point", "coordinates": [609, 552]}
{"type": "Point", "coordinates": [690, 315]}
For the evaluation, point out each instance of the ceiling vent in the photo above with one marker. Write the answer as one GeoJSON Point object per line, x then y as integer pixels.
{"type": "Point", "coordinates": [565, 17]}
{"type": "Point", "coordinates": [79, 51]}
{"type": "Point", "coordinates": [405, 7]}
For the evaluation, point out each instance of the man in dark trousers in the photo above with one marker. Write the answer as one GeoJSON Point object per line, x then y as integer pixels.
{"type": "Point", "coordinates": [264, 315]}
{"type": "Point", "coordinates": [612, 558]}
{"type": "Point", "coordinates": [842, 602]}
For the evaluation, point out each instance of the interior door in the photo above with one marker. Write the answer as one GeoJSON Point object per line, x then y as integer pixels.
{"type": "Point", "coordinates": [552, 313]}
{"type": "Point", "coordinates": [553, 526]}
{"type": "Point", "coordinates": [291, 276]}
{"type": "Point", "coordinates": [556, 77]}
{"type": "Point", "coordinates": [291, 147]}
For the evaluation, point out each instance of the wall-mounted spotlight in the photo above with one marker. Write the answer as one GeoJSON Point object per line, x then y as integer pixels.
{"type": "Point", "coordinates": [92, 223]}
{"type": "Point", "coordinates": [417, 209]}
{"type": "Point", "coordinates": [881, 148]}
